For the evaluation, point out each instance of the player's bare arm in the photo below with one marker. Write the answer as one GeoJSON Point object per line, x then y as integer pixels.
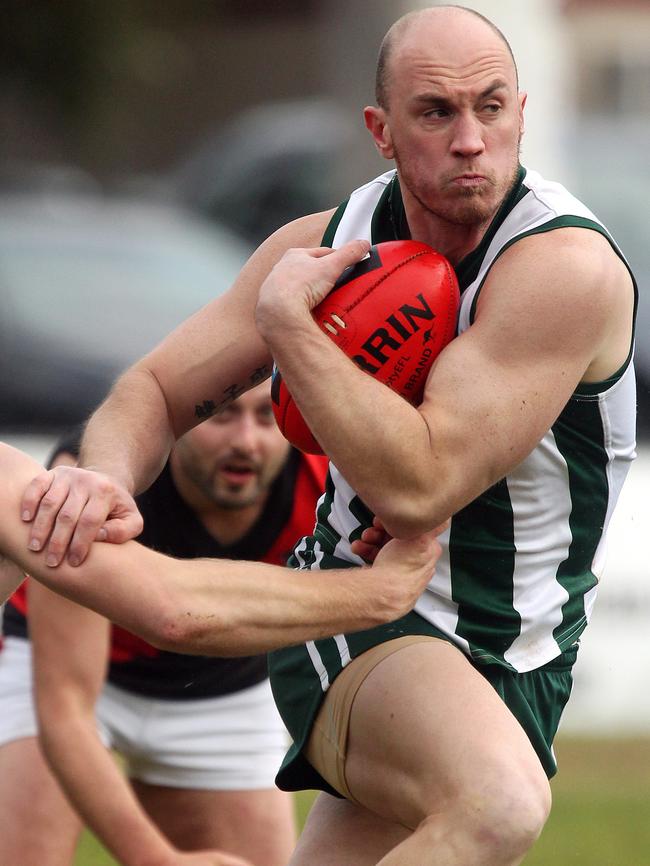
{"type": "Point", "coordinates": [68, 679]}
{"type": "Point", "coordinates": [556, 309]}
{"type": "Point", "coordinates": [10, 578]}
{"type": "Point", "coordinates": [207, 362]}
{"type": "Point", "coordinates": [217, 607]}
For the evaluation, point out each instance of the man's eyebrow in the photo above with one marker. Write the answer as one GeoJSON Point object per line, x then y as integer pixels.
{"type": "Point", "coordinates": [498, 84]}
{"type": "Point", "coordinates": [438, 99]}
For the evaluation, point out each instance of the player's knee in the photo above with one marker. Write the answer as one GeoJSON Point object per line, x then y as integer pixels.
{"type": "Point", "coordinates": [511, 816]}
{"type": "Point", "coordinates": [498, 820]}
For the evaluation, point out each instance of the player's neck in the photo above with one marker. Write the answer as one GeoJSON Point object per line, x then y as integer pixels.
{"type": "Point", "coordinates": [452, 240]}
{"type": "Point", "coordinates": [230, 525]}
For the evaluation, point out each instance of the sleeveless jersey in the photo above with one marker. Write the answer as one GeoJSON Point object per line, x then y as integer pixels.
{"type": "Point", "coordinates": [171, 527]}
{"type": "Point", "coordinates": [517, 578]}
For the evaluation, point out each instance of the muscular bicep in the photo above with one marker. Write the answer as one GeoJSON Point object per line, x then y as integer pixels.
{"type": "Point", "coordinates": [550, 314]}
{"type": "Point", "coordinates": [217, 354]}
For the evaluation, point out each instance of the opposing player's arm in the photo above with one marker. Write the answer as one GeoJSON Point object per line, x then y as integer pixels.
{"type": "Point", "coordinates": [555, 309]}
{"type": "Point", "coordinates": [205, 363]}
{"type": "Point", "coordinates": [71, 646]}
{"type": "Point", "coordinates": [71, 649]}
{"type": "Point", "coordinates": [10, 578]}
{"type": "Point", "coordinates": [218, 607]}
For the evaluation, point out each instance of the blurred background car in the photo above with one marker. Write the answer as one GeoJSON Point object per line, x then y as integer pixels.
{"type": "Point", "coordinates": [271, 164]}
{"type": "Point", "coordinates": [89, 283]}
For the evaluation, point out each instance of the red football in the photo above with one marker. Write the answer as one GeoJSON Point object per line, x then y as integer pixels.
{"type": "Point", "coordinates": [392, 313]}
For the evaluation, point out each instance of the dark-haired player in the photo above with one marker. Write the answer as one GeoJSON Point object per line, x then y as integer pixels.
{"type": "Point", "coordinates": [201, 738]}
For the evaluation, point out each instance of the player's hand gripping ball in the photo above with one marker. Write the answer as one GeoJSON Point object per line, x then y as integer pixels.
{"type": "Point", "coordinates": [392, 313]}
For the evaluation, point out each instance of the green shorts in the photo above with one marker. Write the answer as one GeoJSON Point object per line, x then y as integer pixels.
{"type": "Point", "coordinates": [301, 675]}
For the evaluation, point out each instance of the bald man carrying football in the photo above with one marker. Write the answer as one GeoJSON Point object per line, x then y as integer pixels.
{"type": "Point", "coordinates": [430, 737]}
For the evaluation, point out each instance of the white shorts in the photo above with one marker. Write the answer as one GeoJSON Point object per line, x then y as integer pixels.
{"type": "Point", "coordinates": [235, 742]}
{"type": "Point", "coordinates": [17, 715]}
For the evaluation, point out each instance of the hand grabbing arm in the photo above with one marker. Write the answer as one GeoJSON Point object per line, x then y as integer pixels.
{"type": "Point", "coordinates": [57, 497]}
{"type": "Point", "coordinates": [217, 606]}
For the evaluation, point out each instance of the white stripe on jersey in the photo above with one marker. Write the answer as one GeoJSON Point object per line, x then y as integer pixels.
{"type": "Point", "coordinates": [541, 507]}
{"type": "Point", "coordinates": [436, 604]}
{"type": "Point", "coordinates": [611, 405]}
{"type": "Point", "coordinates": [341, 518]}
{"type": "Point", "coordinates": [525, 217]}
{"type": "Point", "coordinates": [590, 598]}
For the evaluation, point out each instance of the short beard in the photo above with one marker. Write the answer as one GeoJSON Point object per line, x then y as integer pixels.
{"type": "Point", "coordinates": [469, 206]}
{"type": "Point", "coordinates": [228, 504]}
{"type": "Point", "coordinates": [212, 493]}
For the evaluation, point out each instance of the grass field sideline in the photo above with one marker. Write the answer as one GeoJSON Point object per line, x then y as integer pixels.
{"type": "Point", "coordinates": [601, 811]}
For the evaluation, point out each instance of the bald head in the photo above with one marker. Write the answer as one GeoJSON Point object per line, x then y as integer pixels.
{"type": "Point", "coordinates": [434, 16]}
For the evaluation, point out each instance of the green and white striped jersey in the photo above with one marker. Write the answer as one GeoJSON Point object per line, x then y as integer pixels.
{"type": "Point", "coordinates": [518, 575]}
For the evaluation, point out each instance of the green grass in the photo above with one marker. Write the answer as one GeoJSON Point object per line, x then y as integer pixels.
{"type": "Point", "coordinates": [600, 817]}
{"type": "Point", "coordinates": [601, 806]}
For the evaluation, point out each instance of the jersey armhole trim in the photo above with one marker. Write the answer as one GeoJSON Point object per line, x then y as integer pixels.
{"type": "Point", "coordinates": [587, 389]}
{"type": "Point", "coordinates": [332, 226]}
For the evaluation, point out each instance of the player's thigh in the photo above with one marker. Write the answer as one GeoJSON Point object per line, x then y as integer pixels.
{"type": "Point", "coordinates": [427, 731]}
{"type": "Point", "coordinates": [341, 833]}
{"type": "Point", "coordinates": [39, 828]}
{"type": "Point", "coordinates": [256, 824]}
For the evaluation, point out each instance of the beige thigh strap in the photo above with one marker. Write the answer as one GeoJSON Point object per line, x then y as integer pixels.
{"type": "Point", "coordinates": [326, 749]}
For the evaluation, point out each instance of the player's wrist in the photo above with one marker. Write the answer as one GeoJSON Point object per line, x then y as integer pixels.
{"type": "Point", "coordinates": [114, 474]}
{"type": "Point", "coordinates": [279, 323]}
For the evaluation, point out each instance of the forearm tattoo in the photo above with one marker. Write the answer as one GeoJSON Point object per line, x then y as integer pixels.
{"type": "Point", "coordinates": [211, 407]}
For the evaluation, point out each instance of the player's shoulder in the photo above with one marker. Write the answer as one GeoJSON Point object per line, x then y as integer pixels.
{"type": "Point", "coordinates": [572, 260]}
{"type": "Point", "coordinates": [566, 289]}
{"type": "Point", "coordinates": [306, 231]}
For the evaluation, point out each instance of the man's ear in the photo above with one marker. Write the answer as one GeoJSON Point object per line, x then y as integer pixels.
{"type": "Point", "coordinates": [377, 125]}
{"type": "Point", "coordinates": [522, 103]}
